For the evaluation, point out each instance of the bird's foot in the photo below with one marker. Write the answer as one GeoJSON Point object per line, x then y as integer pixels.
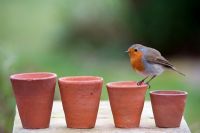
{"type": "Point", "coordinates": [140, 83]}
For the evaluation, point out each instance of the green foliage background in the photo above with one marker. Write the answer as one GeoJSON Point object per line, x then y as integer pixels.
{"type": "Point", "coordinates": [89, 37]}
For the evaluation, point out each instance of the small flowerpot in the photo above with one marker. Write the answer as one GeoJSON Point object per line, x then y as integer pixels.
{"type": "Point", "coordinates": [127, 101]}
{"type": "Point", "coordinates": [34, 94]}
{"type": "Point", "coordinates": [168, 107]}
{"type": "Point", "coordinates": [80, 97]}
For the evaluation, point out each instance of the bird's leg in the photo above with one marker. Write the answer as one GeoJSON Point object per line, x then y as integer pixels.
{"type": "Point", "coordinates": [150, 80]}
{"type": "Point", "coordinates": [140, 82]}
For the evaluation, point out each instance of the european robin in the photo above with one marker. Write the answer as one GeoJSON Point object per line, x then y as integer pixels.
{"type": "Point", "coordinates": [148, 62]}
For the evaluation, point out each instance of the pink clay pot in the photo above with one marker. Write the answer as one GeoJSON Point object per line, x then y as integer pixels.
{"type": "Point", "coordinates": [168, 107]}
{"type": "Point", "coordinates": [127, 101]}
{"type": "Point", "coordinates": [80, 98]}
{"type": "Point", "coordinates": [34, 94]}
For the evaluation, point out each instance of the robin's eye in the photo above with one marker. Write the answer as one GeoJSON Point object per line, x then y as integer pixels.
{"type": "Point", "coordinates": [135, 50]}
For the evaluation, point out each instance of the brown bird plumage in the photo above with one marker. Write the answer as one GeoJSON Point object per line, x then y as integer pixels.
{"type": "Point", "coordinates": [148, 61]}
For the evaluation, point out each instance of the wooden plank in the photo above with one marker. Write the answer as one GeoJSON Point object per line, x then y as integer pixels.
{"type": "Point", "coordinates": [104, 122]}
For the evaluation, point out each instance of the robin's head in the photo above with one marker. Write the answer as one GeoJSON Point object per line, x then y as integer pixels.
{"type": "Point", "coordinates": [135, 50]}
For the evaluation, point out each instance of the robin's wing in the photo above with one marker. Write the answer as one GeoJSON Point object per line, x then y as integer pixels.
{"type": "Point", "coordinates": [154, 56]}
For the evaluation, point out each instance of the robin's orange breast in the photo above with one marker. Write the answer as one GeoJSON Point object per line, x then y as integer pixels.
{"type": "Point", "coordinates": [136, 61]}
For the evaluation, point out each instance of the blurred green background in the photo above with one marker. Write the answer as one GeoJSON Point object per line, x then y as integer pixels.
{"type": "Point", "coordinates": [89, 37]}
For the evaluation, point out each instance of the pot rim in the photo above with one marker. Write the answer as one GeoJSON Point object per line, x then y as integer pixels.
{"type": "Point", "coordinates": [174, 92]}
{"type": "Point", "coordinates": [19, 76]}
{"type": "Point", "coordinates": [114, 84]}
{"type": "Point", "coordinates": [80, 79]}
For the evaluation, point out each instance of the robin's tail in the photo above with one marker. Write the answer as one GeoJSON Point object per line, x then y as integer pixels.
{"type": "Point", "coordinates": [174, 69]}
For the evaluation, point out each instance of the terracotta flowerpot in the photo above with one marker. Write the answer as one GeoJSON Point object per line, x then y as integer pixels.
{"type": "Point", "coordinates": [34, 94]}
{"type": "Point", "coordinates": [127, 101]}
{"type": "Point", "coordinates": [168, 107]}
{"type": "Point", "coordinates": [80, 98]}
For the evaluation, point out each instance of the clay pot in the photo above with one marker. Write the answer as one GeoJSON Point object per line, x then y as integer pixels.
{"type": "Point", "coordinates": [168, 107]}
{"type": "Point", "coordinates": [34, 94]}
{"type": "Point", "coordinates": [127, 101]}
{"type": "Point", "coordinates": [80, 98]}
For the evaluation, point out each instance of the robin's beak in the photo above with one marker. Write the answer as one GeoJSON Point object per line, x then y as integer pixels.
{"type": "Point", "coordinates": [127, 50]}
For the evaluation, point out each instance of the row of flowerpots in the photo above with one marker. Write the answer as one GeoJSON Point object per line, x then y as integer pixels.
{"type": "Point", "coordinates": [80, 97]}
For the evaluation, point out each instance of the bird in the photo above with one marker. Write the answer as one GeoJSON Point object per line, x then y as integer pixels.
{"type": "Point", "coordinates": [148, 62]}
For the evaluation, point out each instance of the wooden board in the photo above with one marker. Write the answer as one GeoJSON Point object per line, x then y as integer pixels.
{"type": "Point", "coordinates": [104, 122]}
